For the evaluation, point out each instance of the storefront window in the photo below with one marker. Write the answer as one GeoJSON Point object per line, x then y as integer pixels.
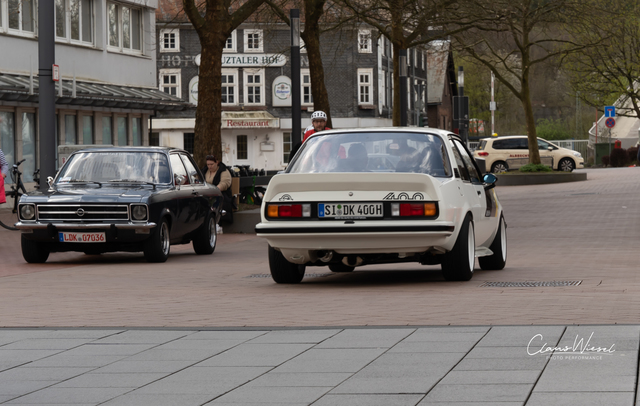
{"type": "Point", "coordinates": [7, 136]}
{"type": "Point", "coordinates": [122, 131]}
{"type": "Point", "coordinates": [87, 130]}
{"type": "Point", "coordinates": [107, 131]}
{"type": "Point", "coordinates": [286, 147]}
{"type": "Point", "coordinates": [70, 130]}
{"type": "Point", "coordinates": [241, 145]}
{"type": "Point", "coordinates": [136, 122]}
{"type": "Point", "coordinates": [28, 146]}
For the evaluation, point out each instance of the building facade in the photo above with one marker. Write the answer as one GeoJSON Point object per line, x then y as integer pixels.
{"type": "Point", "coordinates": [106, 54]}
{"type": "Point", "coordinates": [256, 87]}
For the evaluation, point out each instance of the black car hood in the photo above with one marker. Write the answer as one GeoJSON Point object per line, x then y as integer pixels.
{"type": "Point", "coordinates": [93, 194]}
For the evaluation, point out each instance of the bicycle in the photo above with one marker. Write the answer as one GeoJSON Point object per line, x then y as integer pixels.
{"type": "Point", "coordinates": [17, 190]}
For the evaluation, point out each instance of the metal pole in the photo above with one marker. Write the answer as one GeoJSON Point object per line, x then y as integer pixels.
{"type": "Point", "coordinates": [46, 92]}
{"type": "Point", "coordinates": [493, 106]}
{"type": "Point", "coordinates": [403, 88]}
{"type": "Point", "coordinates": [461, 117]}
{"type": "Point", "coordinates": [296, 119]}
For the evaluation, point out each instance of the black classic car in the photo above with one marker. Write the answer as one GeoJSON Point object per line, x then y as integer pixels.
{"type": "Point", "coordinates": [122, 199]}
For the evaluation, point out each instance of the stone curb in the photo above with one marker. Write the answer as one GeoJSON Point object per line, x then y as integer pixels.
{"type": "Point", "coordinates": [539, 179]}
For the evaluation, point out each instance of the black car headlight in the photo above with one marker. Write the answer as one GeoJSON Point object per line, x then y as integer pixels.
{"type": "Point", "coordinates": [27, 212]}
{"type": "Point", "coordinates": [139, 212]}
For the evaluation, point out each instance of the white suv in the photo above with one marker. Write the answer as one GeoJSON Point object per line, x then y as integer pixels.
{"type": "Point", "coordinates": [505, 153]}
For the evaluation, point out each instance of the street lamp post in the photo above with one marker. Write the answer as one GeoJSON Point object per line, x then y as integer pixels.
{"type": "Point", "coordinates": [296, 119]}
{"type": "Point", "coordinates": [403, 88]}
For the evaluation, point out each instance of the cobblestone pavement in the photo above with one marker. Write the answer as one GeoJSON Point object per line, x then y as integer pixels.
{"type": "Point", "coordinates": [445, 366]}
{"type": "Point", "coordinates": [582, 231]}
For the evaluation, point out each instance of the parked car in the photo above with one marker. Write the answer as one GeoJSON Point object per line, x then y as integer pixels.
{"type": "Point", "coordinates": [428, 203]}
{"type": "Point", "coordinates": [505, 153]}
{"type": "Point", "coordinates": [122, 199]}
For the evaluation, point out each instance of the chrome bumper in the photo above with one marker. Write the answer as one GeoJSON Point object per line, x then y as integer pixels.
{"type": "Point", "coordinates": [84, 226]}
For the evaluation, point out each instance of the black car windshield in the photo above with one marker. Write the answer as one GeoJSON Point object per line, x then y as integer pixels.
{"type": "Point", "coordinates": [115, 166]}
{"type": "Point", "coordinates": [373, 152]}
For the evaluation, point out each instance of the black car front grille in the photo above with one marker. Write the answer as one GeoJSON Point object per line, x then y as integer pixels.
{"type": "Point", "coordinates": [82, 212]}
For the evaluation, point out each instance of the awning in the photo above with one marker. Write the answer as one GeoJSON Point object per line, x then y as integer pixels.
{"type": "Point", "coordinates": [16, 88]}
{"type": "Point", "coordinates": [249, 119]}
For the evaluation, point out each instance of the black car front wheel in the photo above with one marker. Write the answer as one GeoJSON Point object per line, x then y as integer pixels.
{"type": "Point", "coordinates": [206, 237]}
{"type": "Point", "coordinates": [157, 246]}
{"type": "Point", "coordinates": [34, 252]}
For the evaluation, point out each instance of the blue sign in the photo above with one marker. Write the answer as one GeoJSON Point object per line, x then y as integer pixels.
{"type": "Point", "coordinates": [610, 111]}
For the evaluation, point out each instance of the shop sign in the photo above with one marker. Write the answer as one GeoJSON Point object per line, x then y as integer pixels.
{"type": "Point", "coordinates": [193, 90]}
{"type": "Point", "coordinates": [257, 60]}
{"type": "Point", "coordinates": [250, 123]}
{"type": "Point", "coordinates": [281, 91]}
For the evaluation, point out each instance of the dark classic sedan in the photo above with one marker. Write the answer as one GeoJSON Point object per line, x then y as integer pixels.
{"type": "Point", "coordinates": [122, 199]}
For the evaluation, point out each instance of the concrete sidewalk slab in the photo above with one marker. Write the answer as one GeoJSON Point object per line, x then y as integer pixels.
{"type": "Point", "coordinates": [336, 366]}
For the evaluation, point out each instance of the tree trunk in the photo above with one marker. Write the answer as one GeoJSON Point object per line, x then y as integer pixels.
{"type": "Point", "coordinates": [208, 129]}
{"type": "Point", "coordinates": [534, 153]}
{"type": "Point", "coordinates": [311, 36]}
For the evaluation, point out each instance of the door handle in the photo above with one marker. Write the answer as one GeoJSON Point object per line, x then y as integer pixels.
{"type": "Point", "coordinates": [196, 193]}
{"type": "Point", "coordinates": [479, 193]}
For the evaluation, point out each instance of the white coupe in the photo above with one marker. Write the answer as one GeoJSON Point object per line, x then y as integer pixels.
{"type": "Point", "coordinates": [386, 195]}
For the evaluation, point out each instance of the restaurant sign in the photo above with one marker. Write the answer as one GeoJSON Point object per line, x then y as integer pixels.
{"type": "Point", "coordinates": [249, 120]}
{"type": "Point", "coordinates": [249, 60]}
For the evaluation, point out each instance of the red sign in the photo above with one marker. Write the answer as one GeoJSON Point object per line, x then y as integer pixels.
{"type": "Point", "coordinates": [610, 122]}
{"type": "Point", "coordinates": [55, 73]}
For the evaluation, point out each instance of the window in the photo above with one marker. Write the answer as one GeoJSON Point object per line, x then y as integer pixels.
{"type": "Point", "coordinates": [188, 140]}
{"type": "Point", "coordinates": [254, 87]}
{"type": "Point", "coordinates": [286, 147]}
{"type": "Point", "coordinates": [107, 131]}
{"type": "Point", "coordinates": [364, 41]}
{"type": "Point", "coordinates": [7, 136]}
{"type": "Point", "coordinates": [242, 147]}
{"type": "Point", "coordinates": [70, 129]}
{"type": "Point", "coordinates": [21, 16]}
{"type": "Point", "coordinates": [170, 82]}
{"type": "Point", "coordinates": [136, 131]}
{"type": "Point", "coordinates": [74, 20]}
{"type": "Point", "coordinates": [229, 87]}
{"type": "Point", "coordinates": [178, 167]}
{"type": "Point", "coordinates": [468, 162]}
{"type": "Point", "coordinates": [123, 131]}
{"type": "Point", "coordinates": [87, 130]}
{"type": "Point", "coordinates": [231, 45]}
{"type": "Point", "coordinates": [194, 175]}
{"type": "Point", "coordinates": [252, 40]}
{"type": "Point", "coordinates": [125, 28]}
{"type": "Point", "coordinates": [170, 40]}
{"type": "Point", "coordinates": [365, 77]}
{"type": "Point", "coordinates": [305, 81]}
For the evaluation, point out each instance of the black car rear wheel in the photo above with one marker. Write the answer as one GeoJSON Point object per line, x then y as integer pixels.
{"type": "Point", "coordinates": [206, 237]}
{"type": "Point", "coordinates": [283, 271]}
{"type": "Point", "coordinates": [157, 246]}
{"type": "Point", "coordinates": [34, 252]}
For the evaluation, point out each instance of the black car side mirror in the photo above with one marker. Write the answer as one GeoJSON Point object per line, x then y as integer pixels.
{"type": "Point", "coordinates": [490, 181]}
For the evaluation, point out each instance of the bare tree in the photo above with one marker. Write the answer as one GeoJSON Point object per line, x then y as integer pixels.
{"type": "Point", "coordinates": [214, 21]}
{"type": "Point", "coordinates": [604, 73]}
{"type": "Point", "coordinates": [517, 36]}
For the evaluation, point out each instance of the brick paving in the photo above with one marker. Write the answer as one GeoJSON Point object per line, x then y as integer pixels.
{"type": "Point", "coordinates": [584, 231]}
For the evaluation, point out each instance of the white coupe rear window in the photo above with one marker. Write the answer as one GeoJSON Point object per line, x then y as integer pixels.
{"type": "Point", "coordinates": [373, 152]}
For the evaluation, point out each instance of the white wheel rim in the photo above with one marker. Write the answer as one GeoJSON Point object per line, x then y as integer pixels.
{"type": "Point", "coordinates": [503, 240]}
{"type": "Point", "coordinates": [471, 247]}
{"type": "Point", "coordinates": [212, 232]}
{"type": "Point", "coordinates": [164, 238]}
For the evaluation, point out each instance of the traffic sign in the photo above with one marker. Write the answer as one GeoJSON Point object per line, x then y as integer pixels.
{"type": "Point", "coordinates": [610, 111]}
{"type": "Point", "coordinates": [610, 122]}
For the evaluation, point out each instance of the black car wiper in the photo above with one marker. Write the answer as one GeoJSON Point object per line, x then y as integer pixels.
{"type": "Point", "coordinates": [133, 181]}
{"type": "Point", "coordinates": [80, 181]}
